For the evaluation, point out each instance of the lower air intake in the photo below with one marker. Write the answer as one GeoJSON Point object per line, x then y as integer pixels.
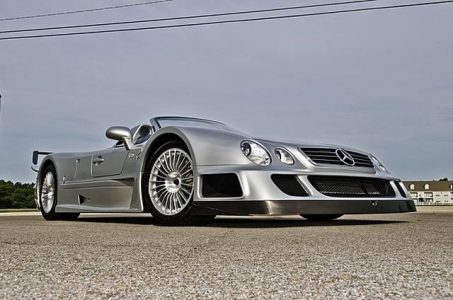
{"type": "Point", "coordinates": [352, 187]}
{"type": "Point", "coordinates": [400, 188]}
{"type": "Point", "coordinates": [289, 185]}
{"type": "Point", "coordinates": [221, 186]}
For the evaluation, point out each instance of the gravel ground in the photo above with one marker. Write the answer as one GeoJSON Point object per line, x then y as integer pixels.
{"type": "Point", "coordinates": [373, 257]}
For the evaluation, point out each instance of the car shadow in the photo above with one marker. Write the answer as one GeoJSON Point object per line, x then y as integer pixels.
{"type": "Point", "coordinates": [260, 223]}
{"type": "Point", "coordinates": [242, 222]}
{"type": "Point", "coordinates": [118, 220]}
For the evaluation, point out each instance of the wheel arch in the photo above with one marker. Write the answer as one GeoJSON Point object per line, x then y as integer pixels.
{"type": "Point", "coordinates": [47, 162]}
{"type": "Point", "coordinates": [160, 140]}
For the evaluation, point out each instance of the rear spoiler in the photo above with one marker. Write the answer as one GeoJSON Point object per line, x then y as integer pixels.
{"type": "Point", "coordinates": [35, 157]}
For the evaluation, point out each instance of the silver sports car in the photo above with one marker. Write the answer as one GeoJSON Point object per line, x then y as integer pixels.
{"type": "Point", "coordinates": [187, 171]}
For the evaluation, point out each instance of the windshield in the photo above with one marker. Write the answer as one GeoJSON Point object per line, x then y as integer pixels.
{"type": "Point", "coordinates": [189, 122]}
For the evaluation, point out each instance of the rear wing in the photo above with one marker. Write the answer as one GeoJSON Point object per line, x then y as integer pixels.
{"type": "Point", "coordinates": [35, 158]}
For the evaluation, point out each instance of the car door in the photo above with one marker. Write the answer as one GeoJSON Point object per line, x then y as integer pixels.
{"type": "Point", "coordinates": [108, 162]}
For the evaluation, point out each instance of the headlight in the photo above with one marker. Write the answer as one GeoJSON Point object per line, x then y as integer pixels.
{"type": "Point", "coordinates": [255, 153]}
{"type": "Point", "coordinates": [284, 156]}
{"type": "Point", "coordinates": [378, 164]}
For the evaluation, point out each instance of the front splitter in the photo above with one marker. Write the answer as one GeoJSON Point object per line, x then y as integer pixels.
{"type": "Point", "coordinates": [308, 207]}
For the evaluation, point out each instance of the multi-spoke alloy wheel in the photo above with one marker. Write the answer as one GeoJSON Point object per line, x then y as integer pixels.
{"type": "Point", "coordinates": [48, 196]}
{"type": "Point", "coordinates": [168, 186]}
{"type": "Point", "coordinates": [171, 182]}
{"type": "Point", "coordinates": [48, 192]}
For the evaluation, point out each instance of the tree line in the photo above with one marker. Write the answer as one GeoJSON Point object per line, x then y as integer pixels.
{"type": "Point", "coordinates": [17, 195]}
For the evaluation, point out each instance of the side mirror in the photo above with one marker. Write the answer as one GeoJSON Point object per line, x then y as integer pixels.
{"type": "Point", "coordinates": [122, 134]}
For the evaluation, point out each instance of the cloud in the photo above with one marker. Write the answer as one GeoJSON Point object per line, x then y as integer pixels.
{"type": "Point", "coordinates": [376, 81]}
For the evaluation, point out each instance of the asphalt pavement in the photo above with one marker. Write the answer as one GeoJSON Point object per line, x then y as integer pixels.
{"type": "Point", "coordinates": [396, 256]}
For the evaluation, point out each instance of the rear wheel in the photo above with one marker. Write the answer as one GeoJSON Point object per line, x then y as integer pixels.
{"type": "Point", "coordinates": [320, 218]}
{"type": "Point", "coordinates": [168, 186]}
{"type": "Point", "coordinates": [48, 197]}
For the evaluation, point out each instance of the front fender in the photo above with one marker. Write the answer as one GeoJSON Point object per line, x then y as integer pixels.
{"type": "Point", "coordinates": [206, 146]}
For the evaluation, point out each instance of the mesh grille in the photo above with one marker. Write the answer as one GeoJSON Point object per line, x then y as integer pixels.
{"type": "Point", "coordinates": [352, 187]}
{"type": "Point", "coordinates": [329, 156]}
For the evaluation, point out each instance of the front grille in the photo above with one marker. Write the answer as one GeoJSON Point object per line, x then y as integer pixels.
{"type": "Point", "coordinates": [352, 187]}
{"type": "Point", "coordinates": [329, 156]}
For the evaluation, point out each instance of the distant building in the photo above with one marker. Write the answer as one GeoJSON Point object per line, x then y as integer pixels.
{"type": "Point", "coordinates": [431, 192]}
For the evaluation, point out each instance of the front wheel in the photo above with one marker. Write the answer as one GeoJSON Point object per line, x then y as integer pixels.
{"type": "Point", "coordinates": [168, 186]}
{"type": "Point", "coordinates": [320, 218]}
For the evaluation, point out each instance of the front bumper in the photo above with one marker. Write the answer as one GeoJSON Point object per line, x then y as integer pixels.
{"type": "Point", "coordinates": [261, 195]}
{"type": "Point", "coordinates": [308, 207]}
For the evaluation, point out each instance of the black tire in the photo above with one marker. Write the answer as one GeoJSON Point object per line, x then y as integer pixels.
{"type": "Point", "coordinates": [51, 214]}
{"type": "Point", "coordinates": [320, 218]}
{"type": "Point", "coordinates": [185, 216]}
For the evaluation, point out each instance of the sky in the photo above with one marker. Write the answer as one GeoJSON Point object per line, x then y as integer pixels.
{"type": "Point", "coordinates": [378, 81]}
